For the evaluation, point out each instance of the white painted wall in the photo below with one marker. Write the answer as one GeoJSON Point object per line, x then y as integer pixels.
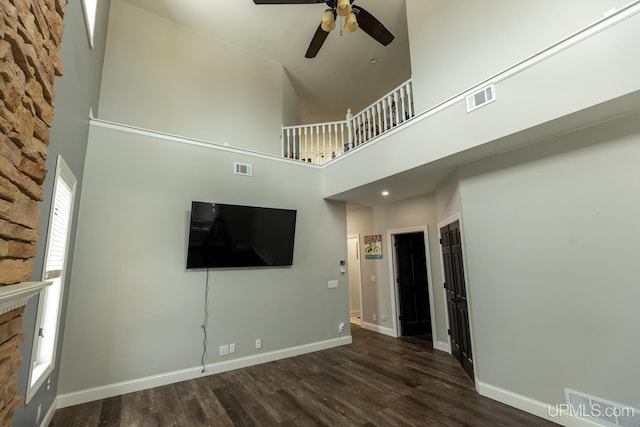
{"type": "Point", "coordinates": [353, 273]}
{"type": "Point", "coordinates": [135, 312]}
{"type": "Point", "coordinates": [162, 76]}
{"type": "Point", "coordinates": [551, 245]}
{"type": "Point", "coordinates": [290, 102]}
{"type": "Point", "coordinates": [456, 44]}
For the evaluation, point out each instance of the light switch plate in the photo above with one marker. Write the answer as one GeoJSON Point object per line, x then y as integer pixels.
{"type": "Point", "coordinates": [333, 284]}
{"type": "Point", "coordinates": [224, 349]}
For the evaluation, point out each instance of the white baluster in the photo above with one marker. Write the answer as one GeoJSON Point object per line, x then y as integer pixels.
{"type": "Point", "coordinates": [324, 143]}
{"type": "Point", "coordinates": [385, 125]}
{"type": "Point", "coordinates": [318, 154]}
{"type": "Point", "coordinates": [335, 142]}
{"type": "Point", "coordinates": [349, 120]}
{"type": "Point", "coordinates": [313, 144]}
{"type": "Point", "coordinates": [397, 110]}
{"type": "Point", "coordinates": [403, 101]}
{"type": "Point", "coordinates": [410, 94]}
{"type": "Point", "coordinates": [306, 145]}
{"type": "Point", "coordinates": [379, 128]}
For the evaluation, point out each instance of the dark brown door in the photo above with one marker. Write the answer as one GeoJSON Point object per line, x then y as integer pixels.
{"type": "Point", "coordinates": [413, 291]}
{"type": "Point", "coordinates": [456, 295]}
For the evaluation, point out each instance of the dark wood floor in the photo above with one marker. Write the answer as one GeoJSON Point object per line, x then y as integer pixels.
{"type": "Point", "coordinates": [376, 381]}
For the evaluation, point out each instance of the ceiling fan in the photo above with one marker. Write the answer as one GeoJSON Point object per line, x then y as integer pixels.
{"type": "Point", "coordinates": [355, 17]}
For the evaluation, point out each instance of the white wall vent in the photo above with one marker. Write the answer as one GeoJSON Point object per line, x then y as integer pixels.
{"type": "Point", "coordinates": [480, 98]}
{"type": "Point", "coordinates": [243, 169]}
{"type": "Point", "coordinates": [601, 411]}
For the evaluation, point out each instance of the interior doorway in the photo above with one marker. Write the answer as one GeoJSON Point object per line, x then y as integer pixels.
{"type": "Point", "coordinates": [411, 276]}
{"type": "Point", "coordinates": [355, 278]}
{"type": "Point", "coordinates": [412, 283]}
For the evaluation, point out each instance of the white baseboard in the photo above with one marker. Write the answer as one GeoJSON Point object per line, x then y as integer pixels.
{"type": "Point", "coordinates": [104, 392]}
{"type": "Point", "coordinates": [380, 329]}
{"type": "Point", "coordinates": [531, 406]}
{"type": "Point", "coordinates": [442, 346]}
{"type": "Point", "coordinates": [48, 417]}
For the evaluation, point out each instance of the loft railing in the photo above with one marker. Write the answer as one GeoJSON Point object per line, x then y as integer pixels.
{"type": "Point", "coordinates": [320, 142]}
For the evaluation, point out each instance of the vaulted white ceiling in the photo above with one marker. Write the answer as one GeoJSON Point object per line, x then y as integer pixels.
{"type": "Point", "coordinates": [340, 77]}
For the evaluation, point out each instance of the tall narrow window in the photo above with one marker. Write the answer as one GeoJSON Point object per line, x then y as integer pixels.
{"type": "Point", "coordinates": [55, 261]}
{"type": "Point", "coordinates": [90, 9]}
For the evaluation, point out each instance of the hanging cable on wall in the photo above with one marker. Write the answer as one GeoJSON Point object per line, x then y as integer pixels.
{"type": "Point", "coordinates": [205, 322]}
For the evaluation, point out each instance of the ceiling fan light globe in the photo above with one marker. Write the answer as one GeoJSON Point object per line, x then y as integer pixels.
{"type": "Point", "coordinates": [351, 23]}
{"type": "Point", "coordinates": [343, 8]}
{"type": "Point", "coordinates": [328, 21]}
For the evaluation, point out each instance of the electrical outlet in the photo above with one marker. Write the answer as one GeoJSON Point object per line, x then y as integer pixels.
{"type": "Point", "coordinates": [258, 342]}
{"type": "Point", "coordinates": [232, 348]}
{"type": "Point", "coordinates": [341, 327]}
{"type": "Point", "coordinates": [383, 318]}
{"type": "Point", "coordinates": [224, 349]}
{"type": "Point", "coordinates": [374, 317]}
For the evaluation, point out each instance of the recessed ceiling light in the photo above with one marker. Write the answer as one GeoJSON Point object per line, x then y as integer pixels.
{"type": "Point", "coordinates": [373, 60]}
{"type": "Point", "coordinates": [385, 193]}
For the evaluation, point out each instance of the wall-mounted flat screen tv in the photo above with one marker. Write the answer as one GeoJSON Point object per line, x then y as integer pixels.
{"type": "Point", "coordinates": [236, 236]}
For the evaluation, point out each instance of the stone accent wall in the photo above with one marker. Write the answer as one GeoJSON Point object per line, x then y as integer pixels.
{"type": "Point", "coordinates": [30, 37]}
{"type": "Point", "coordinates": [10, 359]}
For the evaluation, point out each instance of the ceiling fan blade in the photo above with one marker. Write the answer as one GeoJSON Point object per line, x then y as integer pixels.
{"type": "Point", "coordinates": [372, 26]}
{"type": "Point", "coordinates": [316, 42]}
{"type": "Point", "coordinates": [287, 2]}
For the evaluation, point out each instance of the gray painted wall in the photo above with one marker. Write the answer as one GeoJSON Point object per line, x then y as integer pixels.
{"type": "Point", "coordinates": [135, 312]}
{"type": "Point", "coordinates": [377, 296]}
{"type": "Point", "coordinates": [166, 77]}
{"type": "Point", "coordinates": [455, 45]}
{"type": "Point", "coordinates": [536, 103]}
{"type": "Point", "coordinates": [112, 212]}
{"type": "Point", "coordinates": [76, 92]}
{"type": "Point", "coordinates": [551, 256]}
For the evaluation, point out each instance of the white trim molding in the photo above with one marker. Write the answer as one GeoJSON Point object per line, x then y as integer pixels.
{"type": "Point", "coordinates": [48, 417]}
{"type": "Point", "coordinates": [111, 390]}
{"type": "Point", "coordinates": [15, 296]}
{"type": "Point", "coordinates": [380, 329]}
{"type": "Point", "coordinates": [532, 406]}
{"type": "Point", "coordinates": [442, 346]}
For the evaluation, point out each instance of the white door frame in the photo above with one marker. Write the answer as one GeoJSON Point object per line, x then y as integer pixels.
{"type": "Point", "coordinates": [395, 299]}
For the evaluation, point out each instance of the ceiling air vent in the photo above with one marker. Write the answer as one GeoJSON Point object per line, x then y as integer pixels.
{"type": "Point", "coordinates": [243, 169]}
{"type": "Point", "coordinates": [480, 98]}
{"type": "Point", "coordinates": [601, 411]}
